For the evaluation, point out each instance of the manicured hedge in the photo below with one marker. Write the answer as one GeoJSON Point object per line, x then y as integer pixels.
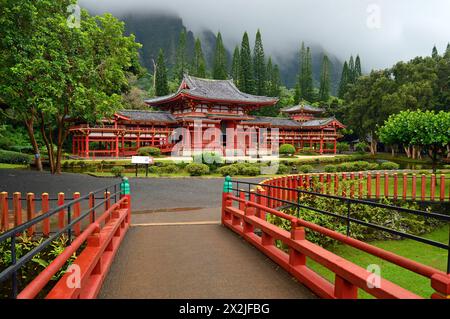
{"type": "Point", "coordinates": [195, 169]}
{"type": "Point", "coordinates": [11, 157]}
{"type": "Point", "coordinates": [149, 151]}
{"type": "Point", "coordinates": [287, 149]}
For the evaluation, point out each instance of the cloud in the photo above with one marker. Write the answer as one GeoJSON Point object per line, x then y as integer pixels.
{"type": "Point", "coordinates": [381, 31]}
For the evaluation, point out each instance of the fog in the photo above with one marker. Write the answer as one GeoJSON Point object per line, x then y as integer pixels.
{"type": "Point", "coordinates": [381, 31]}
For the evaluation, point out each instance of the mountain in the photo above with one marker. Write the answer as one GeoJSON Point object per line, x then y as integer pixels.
{"type": "Point", "coordinates": [162, 30]}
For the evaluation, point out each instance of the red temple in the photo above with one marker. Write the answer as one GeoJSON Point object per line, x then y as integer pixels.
{"type": "Point", "coordinates": [204, 104]}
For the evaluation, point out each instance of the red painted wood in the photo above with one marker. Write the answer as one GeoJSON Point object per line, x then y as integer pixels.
{"type": "Point", "coordinates": [405, 185]}
{"type": "Point", "coordinates": [17, 208]}
{"type": "Point", "coordinates": [360, 184]}
{"type": "Point", "coordinates": [414, 185]}
{"type": "Point", "coordinates": [386, 185]}
{"type": "Point", "coordinates": [442, 188]}
{"type": "Point", "coordinates": [44, 209]}
{"type": "Point", "coordinates": [369, 185]}
{"type": "Point", "coordinates": [30, 213]}
{"type": "Point", "coordinates": [4, 211]}
{"type": "Point", "coordinates": [423, 183]}
{"type": "Point", "coordinates": [61, 213]}
{"type": "Point", "coordinates": [76, 214]}
{"type": "Point", "coordinates": [377, 185]}
{"type": "Point", "coordinates": [433, 187]}
{"type": "Point", "coordinates": [395, 186]}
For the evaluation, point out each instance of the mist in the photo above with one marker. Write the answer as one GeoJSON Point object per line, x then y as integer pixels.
{"type": "Point", "coordinates": [382, 32]}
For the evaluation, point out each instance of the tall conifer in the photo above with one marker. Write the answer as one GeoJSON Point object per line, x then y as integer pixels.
{"type": "Point", "coordinates": [245, 71]}
{"type": "Point", "coordinates": [345, 80]}
{"type": "Point", "coordinates": [161, 85]}
{"type": "Point", "coordinates": [199, 64]}
{"type": "Point", "coordinates": [259, 66]}
{"type": "Point", "coordinates": [324, 91]}
{"type": "Point", "coordinates": [220, 60]}
{"type": "Point", "coordinates": [235, 65]}
{"type": "Point", "coordinates": [181, 60]}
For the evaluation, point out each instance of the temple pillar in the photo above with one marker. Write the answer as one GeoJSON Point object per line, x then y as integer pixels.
{"type": "Point", "coordinates": [321, 145]}
{"type": "Point", "coordinates": [334, 149]}
{"type": "Point", "coordinates": [117, 145]}
{"type": "Point", "coordinates": [87, 146]}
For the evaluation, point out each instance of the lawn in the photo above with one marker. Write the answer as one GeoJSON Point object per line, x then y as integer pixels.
{"type": "Point", "coordinates": [422, 253]}
{"type": "Point", "coordinates": [14, 166]}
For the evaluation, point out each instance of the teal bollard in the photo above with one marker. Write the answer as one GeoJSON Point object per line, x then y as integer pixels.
{"type": "Point", "coordinates": [125, 186]}
{"type": "Point", "coordinates": [227, 185]}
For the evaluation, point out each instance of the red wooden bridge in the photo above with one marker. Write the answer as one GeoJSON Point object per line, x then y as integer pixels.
{"type": "Point", "coordinates": [198, 259]}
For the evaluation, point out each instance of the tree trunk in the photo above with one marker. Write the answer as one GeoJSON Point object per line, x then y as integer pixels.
{"type": "Point", "coordinates": [408, 151]}
{"type": "Point", "coordinates": [37, 155]}
{"type": "Point", "coordinates": [48, 144]}
{"type": "Point", "coordinates": [373, 146]}
{"type": "Point", "coordinates": [62, 135]}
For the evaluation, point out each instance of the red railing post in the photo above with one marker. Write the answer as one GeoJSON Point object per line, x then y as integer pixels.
{"type": "Point", "coordinates": [413, 186]}
{"type": "Point", "coordinates": [44, 209]}
{"type": "Point", "coordinates": [336, 184]}
{"type": "Point", "coordinates": [297, 233]}
{"type": "Point", "coordinates": [249, 211]}
{"type": "Point", "coordinates": [405, 185]}
{"type": "Point", "coordinates": [107, 205]}
{"type": "Point", "coordinates": [91, 207]}
{"type": "Point", "coordinates": [328, 184]}
{"type": "Point", "coordinates": [30, 212]}
{"type": "Point", "coordinates": [321, 181]}
{"type": "Point", "coordinates": [17, 207]}
{"type": "Point", "coordinates": [76, 214]}
{"type": "Point", "coordinates": [386, 185]}
{"type": "Point", "coordinates": [395, 186]}
{"type": "Point", "coordinates": [433, 187]}
{"type": "Point", "coordinates": [377, 185]}
{"type": "Point", "coordinates": [360, 184]}
{"type": "Point", "coordinates": [352, 185]}
{"type": "Point", "coordinates": [263, 201]}
{"type": "Point", "coordinates": [344, 185]}
{"type": "Point", "coordinates": [4, 212]}
{"type": "Point", "coordinates": [343, 289]}
{"type": "Point", "coordinates": [423, 183]}
{"type": "Point", "coordinates": [61, 212]}
{"type": "Point", "coordinates": [369, 185]}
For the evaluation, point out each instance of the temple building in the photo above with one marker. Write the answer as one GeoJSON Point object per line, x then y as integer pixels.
{"type": "Point", "coordinates": [199, 105]}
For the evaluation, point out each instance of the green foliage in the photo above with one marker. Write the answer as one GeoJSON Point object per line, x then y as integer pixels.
{"type": "Point", "coordinates": [195, 169]}
{"type": "Point", "coordinates": [246, 67]}
{"type": "Point", "coordinates": [330, 168]}
{"type": "Point", "coordinates": [373, 167]}
{"type": "Point", "coordinates": [231, 170]}
{"type": "Point", "coordinates": [181, 60]}
{"type": "Point", "coordinates": [11, 157]}
{"type": "Point", "coordinates": [220, 60]}
{"type": "Point", "coordinates": [389, 165]}
{"type": "Point", "coordinates": [259, 66]}
{"type": "Point", "coordinates": [324, 90]}
{"type": "Point", "coordinates": [162, 87]}
{"type": "Point", "coordinates": [361, 147]}
{"type": "Point", "coordinates": [412, 224]}
{"type": "Point", "coordinates": [287, 150]}
{"type": "Point", "coordinates": [235, 65]}
{"type": "Point", "coordinates": [117, 171]}
{"type": "Point", "coordinates": [305, 168]}
{"type": "Point", "coordinates": [170, 169]}
{"type": "Point", "coordinates": [199, 64]}
{"type": "Point", "coordinates": [283, 169]}
{"type": "Point", "coordinates": [149, 151]}
{"type": "Point", "coordinates": [342, 147]}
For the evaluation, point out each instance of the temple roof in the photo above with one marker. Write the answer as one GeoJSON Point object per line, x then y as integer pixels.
{"type": "Point", "coordinates": [149, 116]}
{"type": "Point", "coordinates": [285, 122]}
{"type": "Point", "coordinates": [215, 90]}
{"type": "Point", "coordinates": [302, 107]}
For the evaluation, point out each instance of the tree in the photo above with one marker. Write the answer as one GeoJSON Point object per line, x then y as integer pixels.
{"type": "Point", "coordinates": [259, 66]}
{"type": "Point", "coordinates": [199, 64]}
{"type": "Point", "coordinates": [220, 60]}
{"type": "Point", "coordinates": [306, 77]}
{"type": "Point", "coordinates": [434, 53]}
{"type": "Point", "coordinates": [246, 72]}
{"type": "Point", "coordinates": [275, 82]}
{"type": "Point", "coordinates": [358, 69]}
{"type": "Point", "coordinates": [324, 91]}
{"type": "Point", "coordinates": [235, 65]}
{"type": "Point", "coordinates": [181, 59]}
{"type": "Point", "coordinates": [351, 70]}
{"type": "Point", "coordinates": [162, 87]}
{"type": "Point", "coordinates": [426, 129]}
{"type": "Point", "coordinates": [345, 81]}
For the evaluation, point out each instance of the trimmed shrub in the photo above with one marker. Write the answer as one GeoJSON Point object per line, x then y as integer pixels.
{"type": "Point", "coordinates": [117, 171]}
{"type": "Point", "coordinates": [373, 166]}
{"type": "Point", "coordinates": [149, 151]}
{"type": "Point", "coordinates": [346, 167]}
{"type": "Point", "coordinates": [330, 168]}
{"type": "Point", "coordinates": [287, 150]}
{"type": "Point", "coordinates": [283, 169]}
{"type": "Point", "coordinates": [305, 168]}
{"type": "Point", "coordinates": [230, 170]}
{"type": "Point", "coordinates": [389, 165]}
{"type": "Point", "coordinates": [361, 165]}
{"type": "Point", "coordinates": [250, 170]}
{"type": "Point", "coordinates": [169, 169]}
{"type": "Point", "coordinates": [10, 157]}
{"type": "Point", "coordinates": [195, 169]}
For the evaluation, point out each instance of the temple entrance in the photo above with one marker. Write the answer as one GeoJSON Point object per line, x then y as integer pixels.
{"type": "Point", "coordinates": [223, 128]}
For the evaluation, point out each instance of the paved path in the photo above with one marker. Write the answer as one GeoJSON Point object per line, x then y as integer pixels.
{"type": "Point", "coordinates": [191, 256]}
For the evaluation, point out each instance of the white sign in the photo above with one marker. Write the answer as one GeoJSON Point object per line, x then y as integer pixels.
{"type": "Point", "coordinates": [141, 160]}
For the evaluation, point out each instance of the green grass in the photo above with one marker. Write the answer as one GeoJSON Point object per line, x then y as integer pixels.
{"type": "Point", "coordinates": [173, 175]}
{"type": "Point", "coordinates": [428, 255]}
{"type": "Point", "coordinates": [14, 166]}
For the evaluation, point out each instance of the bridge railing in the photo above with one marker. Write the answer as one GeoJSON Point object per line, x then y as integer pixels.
{"type": "Point", "coordinates": [250, 215]}
{"type": "Point", "coordinates": [94, 238]}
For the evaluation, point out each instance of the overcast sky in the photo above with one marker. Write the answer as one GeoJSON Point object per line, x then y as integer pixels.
{"type": "Point", "coordinates": [381, 31]}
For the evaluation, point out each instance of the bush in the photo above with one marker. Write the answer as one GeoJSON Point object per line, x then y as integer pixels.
{"type": "Point", "coordinates": [230, 170]}
{"type": "Point", "coordinates": [361, 165]}
{"type": "Point", "coordinates": [346, 167]}
{"type": "Point", "coordinates": [287, 150]}
{"type": "Point", "coordinates": [283, 169]}
{"type": "Point", "coordinates": [330, 168]}
{"type": "Point", "coordinates": [389, 165]}
{"type": "Point", "coordinates": [117, 171]}
{"type": "Point", "coordinates": [361, 147]}
{"type": "Point", "coordinates": [10, 157]}
{"type": "Point", "coordinates": [250, 170]}
{"type": "Point", "coordinates": [342, 147]}
{"type": "Point", "coordinates": [305, 168]}
{"type": "Point", "coordinates": [149, 151]}
{"type": "Point", "coordinates": [373, 166]}
{"type": "Point", "coordinates": [195, 169]}
{"type": "Point", "coordinates": [169, 169]}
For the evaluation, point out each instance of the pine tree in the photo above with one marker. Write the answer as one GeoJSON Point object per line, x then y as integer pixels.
{"type": "Point", "coordinates": [358, 69]}
{"type": "Point", "coordinates": [435, 53]}
{"type": "Point", "coordinates": [235, 65]}
{"type": "Point", "coordinates": [220, 60]}
{"type": "Point", "coordinates": [199, 64]}
{"type": "Point", "coordinates": [297, 94]}
{"type": "Point", "coordinates": [351, 70]}
{"type": "Point", "coordinates": [302, 72]}
{"type": "Point", "coordinates": [161, 85]}
{"type": "Point", "coordinates": [276, 82]}
{"type": "Point", "coordinates": [181, 60]}
{"type": "Point", "coordinates": [345, 80]}
{"type": "Point", "coordinates": [245, 71]}
{"type": "Point", "coordinates": [259, 66]}
{"type": "Point", "coordinates": [269, 76]}
{"type": "Point", "coordinates": [308, 89]}
{"type": "Point", "coordinates": [324, 91]}
{"type": "Point", "coordinates": [447, 51]}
